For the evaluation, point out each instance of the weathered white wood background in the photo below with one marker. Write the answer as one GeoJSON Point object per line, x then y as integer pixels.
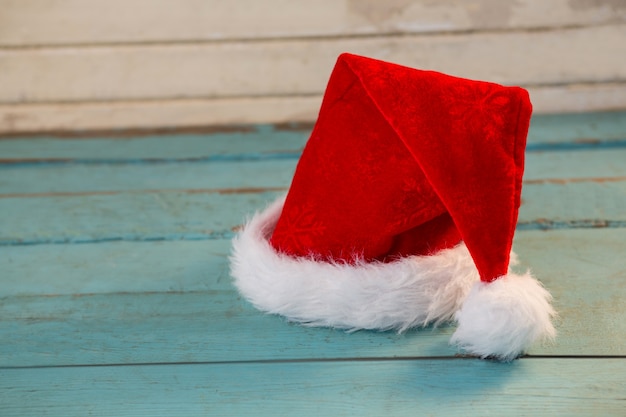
{"type": "Point", "coordinates": [132, 64]}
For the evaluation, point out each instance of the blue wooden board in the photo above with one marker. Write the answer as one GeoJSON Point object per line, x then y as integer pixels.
{"type": "Point", "coordinates": [574, 131]}
{"type": "Point", "coordinates": [113, 256]}
{"type": "Point", "coordinates": [180, 215]}
{"type": "Point", "coordinates": [200, 199]}
{"type": "Point", "coordinates": [255, 143]}
{"type": "Point", "coordinates": [419, 387]}
{"type": "Point", "coordinates": [68, 179]}
{"type": "Point", "coordinates": [175, 301]}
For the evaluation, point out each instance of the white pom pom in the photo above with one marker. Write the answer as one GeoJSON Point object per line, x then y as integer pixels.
{"type": "Point", "coordinates": [503, 318]}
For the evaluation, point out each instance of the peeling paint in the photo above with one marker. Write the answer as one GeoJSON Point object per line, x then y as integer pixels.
{"type": "Point", "coordinates": [546, 224]}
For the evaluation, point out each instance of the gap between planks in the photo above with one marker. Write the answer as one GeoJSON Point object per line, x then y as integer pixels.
{"type": "Point", "coordinates": [254, 190]}
{"type": "Point", "coordinates": [580, 145]}
{"type": "Point", "coordinates": [539, 224]}
{"type": "Point", "coordinates": [465, 388]}
{"type": "Point", "coordinates": [311, 360]}
{"type": "Point", "coordinates": [158, 43]}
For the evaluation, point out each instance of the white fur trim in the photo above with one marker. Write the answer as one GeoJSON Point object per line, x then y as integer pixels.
{"type": "Point", "coordinates": [413, 291]}
{"type": "Point", "coordinates": [503, 318]}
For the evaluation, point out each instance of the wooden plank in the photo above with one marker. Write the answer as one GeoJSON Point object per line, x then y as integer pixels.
{"type": "Point", "coordinates": [217, 177]}
{"type": "Point", "coordinates": [556, 387]}
{"type": "Point", "coordinates": [578, 98]}
{"type": "Point", "coordinates": [579, 165]}
{"type": "Point", "coordinates": [170, 327]}
{"type": "Point", "coordinates": [595, 202]}
{"type": "Point", "coordinates": [123, 267]}
{"type": "Point", "coordinates": [575, 127]}
{"type": "Point", "coordinates": [32, 22]}
{"type": "Point", "coordinates": [588, 281]}
{"type": "Point", "coordinates": [541, 167]}
{"type": "Point", "coordinates": [209, 213]}
{"type": "Point", "coordinates": [129, 302]}
{"type": "Point", "coordinates": [236, 143]}
{"type": "Point", "coordinates": [182, 113]}
{"type": "Point", "coordinates": [131, 217]}
{"type": "Point", "coordinates": [242, 141]}
{"type": "Point", "coordinates": [162, 113]}
{"type": "Point", "coordinates": [252, 69]}
{"type": "Point", "coordinates": [179, 215]}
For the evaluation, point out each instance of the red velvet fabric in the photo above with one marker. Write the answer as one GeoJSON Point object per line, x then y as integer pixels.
{"type": "Point", "coordinates": [402, 162]}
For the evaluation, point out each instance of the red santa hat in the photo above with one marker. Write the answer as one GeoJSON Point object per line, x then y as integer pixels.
{"type": "Point", "coordinates": [402, 212]}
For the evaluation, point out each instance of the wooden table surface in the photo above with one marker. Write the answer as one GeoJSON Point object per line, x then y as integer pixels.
{"type": "Point", "coordinates": [115, 295]}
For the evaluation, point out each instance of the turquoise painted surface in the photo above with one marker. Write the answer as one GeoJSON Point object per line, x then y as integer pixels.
{"type": "Point", "coordinates": [205, 199]}
{"type": "Point", "coordinates": [177, 214]}
{"type": "Point", "coordinates": [134, 216]}
{"type": "Point", "coordinates": [255, 142]}
{"type": "Point", "coordinates": [140, 177]}
{"type": "Point", "coordinates": [92, 178]}
{"type": "Point", "coordinates": [577, 128]}
{"type": "Point", "coordinates": [113, 257]}
{"type": "Point", "coordinates": [571, 129]}
{"type": "Point", "coordinates": [175, 301]}
{"type": "Point", "coordinates": [554, 387]}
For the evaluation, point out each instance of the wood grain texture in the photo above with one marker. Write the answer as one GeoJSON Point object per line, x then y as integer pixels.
{"type": "Point", "coordinates": [68, 65]}
{"type": "Point", "coordinates": [182, 113]}
{"type": "Point", "coordinates": [112, 178]}
{"type": "Point", "coordinates": [577, 127]}
{"type": "Point", "coordinates": [578, 97]}
{"type": "Point", "coordinates": [155, 114]}
{"type": "Point", "coordinates": [36, 22]}
{"type": "Point", "coordinates": [295, 67]}
{"type": "Point", "coordinates": [49, 179]}
{"type": "Point", "coordinates": [238, 143]}
{"type": "Point", "coordinates": [152, 324]}
{"type": "Point", "coordinates": [131, 217]}
{"type": "Point", "coordinates": [133, 302]}
{"type": "Point", "coordinates": [189, 327]}
{"type": "Point", "coordinates": [556, 387]}
{"type": "Point", "coordinates": [195, 215]}
{"type": "Point", "coordinates": [545, 129]}
{"type": "Point", "coordinates": [56, 190]}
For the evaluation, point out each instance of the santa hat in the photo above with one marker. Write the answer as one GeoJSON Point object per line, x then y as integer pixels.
{"type": "Point", "coordinates": [402, 212]}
